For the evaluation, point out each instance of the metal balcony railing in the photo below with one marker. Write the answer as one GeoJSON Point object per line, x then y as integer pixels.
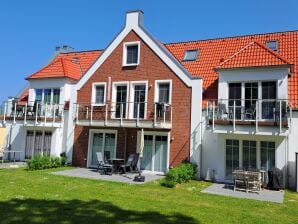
{"type": "Point", "coordinates": [124, 112]}
{"type": "Point", "coordinates": [31, 111]}
{"type": "Point", "coordinates": [270, 112]}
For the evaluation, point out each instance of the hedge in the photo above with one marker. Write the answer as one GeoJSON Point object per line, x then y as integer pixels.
{"type": "Point", "coordinates": [40, 162]}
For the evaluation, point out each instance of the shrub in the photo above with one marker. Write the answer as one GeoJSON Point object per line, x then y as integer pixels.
{"type": "Point", "coordinates": [180, 174]}
{"type": "Point", "coordinates": [40, 162]}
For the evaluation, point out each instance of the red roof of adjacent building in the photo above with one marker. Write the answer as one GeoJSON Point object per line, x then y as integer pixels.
{"type": "Point", "coordinates": [253, 55]}
{"type": "Point", "coordinates": [213, 52]}
{"type": "Point", "coordinates": [69, 65]}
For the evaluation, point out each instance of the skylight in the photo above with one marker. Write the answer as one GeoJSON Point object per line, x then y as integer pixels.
{"type": "Point", "coordinates": [190, 55]}
{"type": "Point", "coordinates": [272, 44]}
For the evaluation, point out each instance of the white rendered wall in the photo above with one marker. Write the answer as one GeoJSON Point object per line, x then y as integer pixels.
{"type": "Point", "coordinates": [253, 74]}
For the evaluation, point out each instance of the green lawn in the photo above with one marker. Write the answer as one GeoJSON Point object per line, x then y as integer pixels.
{"type": "Point", "coordinates": [41, 197]}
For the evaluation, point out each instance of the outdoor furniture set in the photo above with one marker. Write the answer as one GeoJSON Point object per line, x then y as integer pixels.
{"type": "Point", "coordinates": [248, 180]}
{"type": "Point", "coordinates": [107, 165]}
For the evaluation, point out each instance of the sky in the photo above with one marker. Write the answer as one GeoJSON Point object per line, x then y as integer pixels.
{"type": "Point", "coordinates": [30, 30]}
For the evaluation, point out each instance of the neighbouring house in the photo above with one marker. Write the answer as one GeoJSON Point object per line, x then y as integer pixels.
{"type": "Point", "coordinates": [221, 103]}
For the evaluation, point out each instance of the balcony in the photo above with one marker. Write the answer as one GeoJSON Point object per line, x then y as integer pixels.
{"type": "Point", "coordinates": [126, 114]}
{"type": "Point", "coordinates": [32, 113]}
{"type": "Point", "coordinates": [257, 114]}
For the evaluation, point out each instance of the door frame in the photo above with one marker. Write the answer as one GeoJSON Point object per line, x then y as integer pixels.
{"type": "Point", "coordinates": [114, 98]}
{"type": "Point", "coordinates": [132, 98]}
{"type": "Point", "coordinates": [155, 133]}
{"type": "Point", "coordinates": [90, 141]}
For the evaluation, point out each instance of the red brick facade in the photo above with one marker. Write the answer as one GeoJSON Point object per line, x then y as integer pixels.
{"type": "Point", "coordinates": [151, 68]}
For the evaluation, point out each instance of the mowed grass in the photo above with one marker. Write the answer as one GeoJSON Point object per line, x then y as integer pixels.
{"type": "Point", "coordinates": [41, 197]}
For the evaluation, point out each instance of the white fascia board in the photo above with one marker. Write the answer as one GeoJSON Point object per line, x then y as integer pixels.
{"type": "Point", "coordinates": [163, 54]}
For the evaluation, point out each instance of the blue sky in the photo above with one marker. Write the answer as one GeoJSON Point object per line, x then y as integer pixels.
{"type": "Point", "coordinates": [31, 29]}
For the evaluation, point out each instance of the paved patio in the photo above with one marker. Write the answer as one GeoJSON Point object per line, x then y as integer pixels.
{"type": "Point", "coordinates": [227, 190]}
{"type": "Point", "coordinates": [94, 174]}
{"type": "Point", "coordinates": [11, 165]}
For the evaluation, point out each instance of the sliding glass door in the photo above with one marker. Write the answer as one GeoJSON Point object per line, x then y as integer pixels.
{"type": "Point", "coordinates": [38, 143]}
{"type": "Point", "coordinates": [104, 142]}
{"type": "Point", "coordinates": [232, 156]}
{"type": "Point", "coordinates": [155, 153]}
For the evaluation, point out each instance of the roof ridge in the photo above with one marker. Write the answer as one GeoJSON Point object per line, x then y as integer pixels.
{"type": "Point", "coordinates": [234, 55]}
{"type": "Point", "coordinates": [82, 51]}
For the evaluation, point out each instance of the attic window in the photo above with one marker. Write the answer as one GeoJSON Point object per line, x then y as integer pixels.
{"type": "Point", "coordinates": [131, 53]}
{"type": "Point", "coordinates": [190, 55]}
{"type": "Point", "coordinates": [272, 44]}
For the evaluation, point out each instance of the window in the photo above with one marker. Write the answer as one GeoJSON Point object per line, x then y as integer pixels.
{"type": "Point", "coordinates": [269, 95]}
{"type": "Point", "coordinates": [47, 96]}
{"type": "Point", "coordinates": [38, 143]}
{"type": "Point", "coordinates": [267, 155]}
{"type": "Point", "coordinates": [190, 55]}
{"type": "Point", "coordinates": [139, 100]}
{"type": "Point", "coordinates": [273, 45]}
{"type": "Point", "coordinates": [121, 101]}
{"type": "Point", "coordinates": [249, 154]}
{"type": "Point", "coordinates": [164, 93]}
{"type": "Point", "coordinates": [98, 94]}
{"type": "Point", "coordinates": [235, 97]}
{"type": "Point", "coordinates": [56, 96]}
{"type": "Point", "coordinates": [232, 156]}
{"type": "Point", "coordinates": [131, 54]}
{"type": "Point", "coordinates": [251, 96]}
{"type": "Point", "coordinates": [38, 95]}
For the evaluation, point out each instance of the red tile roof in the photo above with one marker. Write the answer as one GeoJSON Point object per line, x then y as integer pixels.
{"type": "Point", "coordinates": [253, 55]}
{"type": "Point", "coordinates": [70, 65]}
{"type": "Point", "coordinates": [215, 51]}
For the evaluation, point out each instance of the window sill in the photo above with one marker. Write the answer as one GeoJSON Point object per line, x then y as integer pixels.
{"type": "Point", "coordinates": [98, 104]}
{"type": "Point", "coordinates": [130, 65]}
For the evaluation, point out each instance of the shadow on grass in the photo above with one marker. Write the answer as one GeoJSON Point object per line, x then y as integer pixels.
{"type": "Point", "coordinates": [77, 211]}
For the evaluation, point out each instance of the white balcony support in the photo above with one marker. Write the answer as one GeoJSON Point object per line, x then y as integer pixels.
{"type": "Point", "coordinates": [154, 122]}
{"type": "Point", "coordinates": [25, 116]}
{"type": "Point", "coordinates": [207, 110]}
{"type": "Point", "coordinates": [234, 115]}
{"type": "Point", "coordinates": [5, 111]}
{"type": "Point", "coordinates": [45, 114]}
{"type": "Point", "coordinates": [280, 116]}
{"type": "Point", "coordinates": [213, 110]}
{"type": "Point", "coordinates": [87, 113]}
{"type": "Point", "coordinates": [77, 113]}
{"type": "Point", "coordinates": [54, 115]}
{"type": "Point", "coordinates": [14, 113]}
{"type": "Point", "coordinates": [138, 115]}
{"type": "Point", "coordinates": [106, 114]}
{"type": "Point", "coordinates": [257, 116]}
{"type": "Point", "coordinates": [121, 114]}
{"type": "Point", "coordinates": [62, 116]}
{"type": "Point", "coordinates": [36, 111]}
{"type": "Point", "coordinates": [91, 114]}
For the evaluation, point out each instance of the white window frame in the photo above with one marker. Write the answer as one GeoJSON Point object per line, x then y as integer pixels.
{"type": "Point", "coordinates": [124, 56]}
{"type": "Point", "coordinates": [42, 139]}
{"type": "Point", "coordinates": [93, 95]}
{"type": "Point", "coordinates": [103, 131]}
{"type": "Point", "coordinates": [190, 50]}
{"type": "Point", "coordinates": [43, 94]}
{"type": "Point", "coordinates": [156, 90]}
{"type": "Point", "coordinates": [132, 97]}
{"type": "Point", "coordinates": [155, 133]}
{"type": "Point", "coordinates": [114, 94]}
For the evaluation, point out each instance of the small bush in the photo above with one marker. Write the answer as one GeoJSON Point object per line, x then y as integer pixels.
{"type": "Point", "coordinates": [180, 174]}
{"type": "Point", "coordinates": [40, 162]}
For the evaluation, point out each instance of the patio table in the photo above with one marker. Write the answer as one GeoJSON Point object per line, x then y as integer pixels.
{"type": "Point", "coordinates": [116, 162]}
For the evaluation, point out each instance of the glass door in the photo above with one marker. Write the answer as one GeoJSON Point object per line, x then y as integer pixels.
{"type": "Point", "coordinates": [268, 100]}
{"type": "Point", "coordinates": [235, 97]}
{"type": "Point", "coordinates": [155, 153]}
{"type": "Point", "coordinates": [29, 144]}
{"type": "Point", "coordinates": [139, 101]}
{"type": "Point", "coordinates": [249, 155]}
{"type": "Point", "coordinates": [121, 101]}
{"type": "Point", "coordinates": [105, 143]}
{"type": "Point", "coordinates": [232, 156]}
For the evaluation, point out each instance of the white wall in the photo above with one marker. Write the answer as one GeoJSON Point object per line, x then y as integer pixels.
{"type": "Point", "coordinates": [253, 74]}
{"type": "Point", "coordinates": [63, 84]}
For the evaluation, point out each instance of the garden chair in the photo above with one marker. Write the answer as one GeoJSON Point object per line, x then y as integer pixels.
{"type": "Point", "coordinates": [103, 166]}
{"type": "Point", "coordinates": [254, 181]}
{"type": "Point", "coordinates": [131, 163]}
{"type": "Point", "coordinates": [239, 180]}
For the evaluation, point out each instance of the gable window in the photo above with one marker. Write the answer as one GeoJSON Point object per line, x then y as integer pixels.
{"type": "Point", "coordinates": [272, 44]}
{"type": "Point", "coordinates": [190, 55]}
{"type": "Point", "coordinates": [98, 94]}
{"type": "Point", "coordinates": [131, 53]}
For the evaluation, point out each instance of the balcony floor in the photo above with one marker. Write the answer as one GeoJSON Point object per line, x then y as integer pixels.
{"type": "Point", "coordinates": [248, 122]}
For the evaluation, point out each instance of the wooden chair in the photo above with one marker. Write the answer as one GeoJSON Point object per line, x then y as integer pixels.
{"type": "Point", "coordinates": [254, 181]}
{"type": "Point", "coordinates": [239, 181]}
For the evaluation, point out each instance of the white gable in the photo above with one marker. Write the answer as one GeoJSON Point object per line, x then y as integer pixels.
{"type": "Point", "coordinates": [134, 21]}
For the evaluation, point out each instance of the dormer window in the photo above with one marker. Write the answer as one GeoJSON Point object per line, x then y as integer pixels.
{"type": "Point", "coordinates": [131, 53]}
{"type": "Point", "coordinates": [272, 44]}
{"type": "Point", "coordinates": [191, 55]}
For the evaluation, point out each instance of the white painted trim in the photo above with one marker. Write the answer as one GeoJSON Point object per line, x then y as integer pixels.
{"type": "Point", "coordinates": [114, 93]}
{"type": "Point", "coordinates": [124, 54]}
{"type": "Point", "coordinates": [156, 47]}
{"type": "Point", "coordinates": [103, 131]}
{"type": "Point", "coordinates": [132, 91]}
{"type": "Point", "coordinates": [93, 94]}
{"type": "Point", "coordinates": [156, 89]}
